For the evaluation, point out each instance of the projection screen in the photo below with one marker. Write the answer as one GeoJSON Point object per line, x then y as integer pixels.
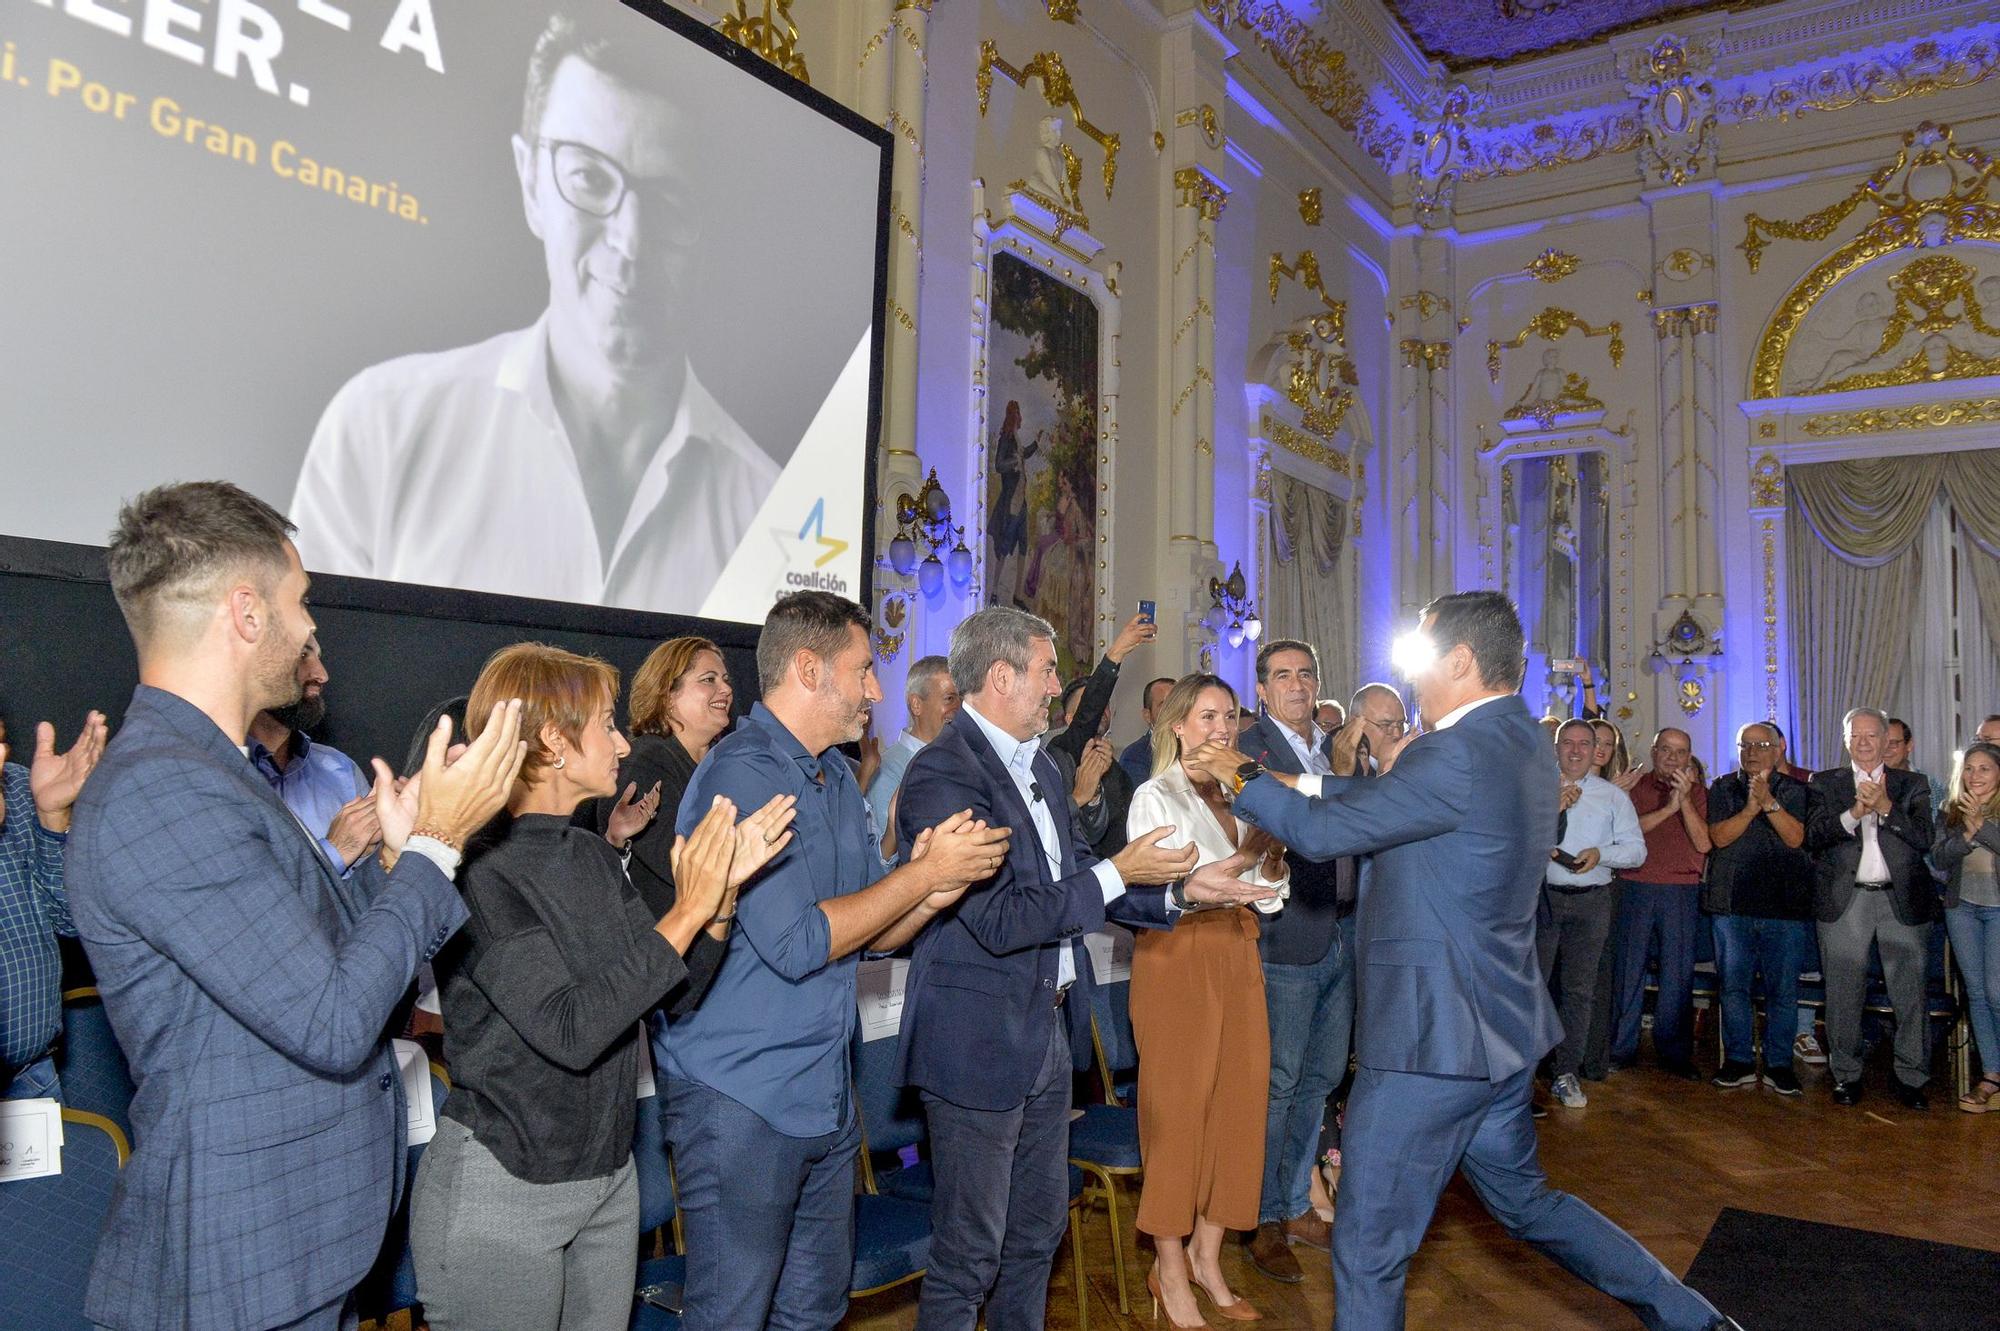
{"type": "Point", "coordinates": [577, 303]}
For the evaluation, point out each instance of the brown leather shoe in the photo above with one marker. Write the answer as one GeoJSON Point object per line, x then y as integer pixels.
{"type": "Point", "coordinates": [1310, 1230]}
{"type": "Point", "coordinates": [1270, 1254]}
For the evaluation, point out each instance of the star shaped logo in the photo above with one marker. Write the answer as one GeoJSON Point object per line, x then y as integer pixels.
{"type": "Point", "coordinates": [815, 527]}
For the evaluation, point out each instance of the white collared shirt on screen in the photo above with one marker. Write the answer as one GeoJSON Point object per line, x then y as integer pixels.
{"type": "Point", "coordinates": [452, 469]}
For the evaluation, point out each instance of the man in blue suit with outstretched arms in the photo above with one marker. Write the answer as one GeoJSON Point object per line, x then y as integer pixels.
{"type": "Point", "coordinates": [996, 1008]}
{"type": "Point", "coordinates": [1453, 1011]}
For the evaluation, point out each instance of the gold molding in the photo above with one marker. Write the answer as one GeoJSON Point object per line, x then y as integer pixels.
{"type": "Point", "coordinates": [1684, 318]}
{"type": "Point", "coordinates": [1883, 420]}
{"type": "Point", "coordinates": [1305, 271]}
{"type": "Point", "coordinates": [1320, 382]}
{"type": "Point", "coordinates": [1321, 73]}
{"type": "Point", "coordinates": [1058, 90]}
{"type": "Point", "coordinates": [1203, 115]}
{"type": "Point", "coordinates": [1924, 292]}
{"type": "Point", "coordinates": [1304, 445]}
{"type": "Point", "coordinates": [1767, 482]}
{"type": "Point", "coordinates": [1552, 265]}
{"type": "Point", "coordinates": [1425, 303]}
{"type": "Point", "coordinates": [771, 35]}
{"type": "Point", "coordinates": [1195, 188]}
{"type": "Point", "coordinates": [1769, 531]}
{"type": "Point", "coordinates": [1062, 11]}
{"type": "Point", "coordinates": [1902, 221]}
{"type": "Point", "coordinates": [1431, 355]}
{"type": "Point", "coordinates": [1921, 69]}
{"type": "Point", "coordinates": [1549, 325]}
{"type": "Point", "coordinates": [1311, 208]}
{"type": "Point", "coordinates": [1684, 263]}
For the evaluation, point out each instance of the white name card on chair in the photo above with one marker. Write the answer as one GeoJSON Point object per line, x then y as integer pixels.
{"type": "Point", "coordinates": [1110, 951]}
{"type": "Point", "coordinates": [415, 1066]}
{"type": "Point", "coordinates": [31, 1136]}
{"type": "Point", "coordinates": [879, 994]}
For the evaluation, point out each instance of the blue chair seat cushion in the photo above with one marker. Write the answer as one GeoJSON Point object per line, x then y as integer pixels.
{"type": "Point", "coordinates": [660, 1270]}
{"type": "Point", "coordinates": [1106, 1135]}
{"type": "Point", "coordinates": [892, 1240]}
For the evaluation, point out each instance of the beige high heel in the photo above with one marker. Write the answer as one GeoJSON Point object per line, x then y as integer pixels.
{"type": "Point", "coordinates": [1240, 1311]}
{"type": "Point", "coordinates": [1153, 1287]}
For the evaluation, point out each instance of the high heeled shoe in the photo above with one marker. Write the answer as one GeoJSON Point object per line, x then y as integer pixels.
{"type": "Point", "coordinates": [1240, 1311]}
{"type": "Point", "coordinates": [1153, 1287]}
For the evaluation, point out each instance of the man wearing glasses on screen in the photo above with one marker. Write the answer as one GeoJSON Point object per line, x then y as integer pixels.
{"type": "Point", "coordinates": [578, 459]}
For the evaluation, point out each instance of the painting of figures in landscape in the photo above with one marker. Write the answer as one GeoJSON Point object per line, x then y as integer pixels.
{"type": "Point", "coordinates": [1041, 450]}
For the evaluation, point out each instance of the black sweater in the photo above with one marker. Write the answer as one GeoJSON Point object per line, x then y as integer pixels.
{"type": "Point", "coordinates": [661, 758]}
{"type": "Point", "coordinates": [542, 992]}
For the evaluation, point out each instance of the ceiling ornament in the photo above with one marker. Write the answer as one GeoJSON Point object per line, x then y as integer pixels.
{"type": "Point", "coordinates": [1059, 92]}
{"type": "Point", "coordinates": [1552, 265]}
{"type": "Point", "coordinates": [771, 35]}
{"type": "Point", "coordinates": [1948, 345]}
{"type": "Point", "coordinates": [1310, 207]}
{"type": "Point", "coordinates": [1549, 325]}
{"type": "Point", "coordinates": [1322, 73]}
{"type": "Point", "coordinates": [1929, 66]}
{"type": "Point", "coordinates": [1670, 79]}
{"type": "Point", "coordinates": [1438, 154]}
{"type": "Point", "coordinates": [1934, 192]}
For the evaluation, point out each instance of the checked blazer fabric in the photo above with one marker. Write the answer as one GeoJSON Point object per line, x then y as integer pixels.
{"type": "Point", "coordinates": [249, 985]}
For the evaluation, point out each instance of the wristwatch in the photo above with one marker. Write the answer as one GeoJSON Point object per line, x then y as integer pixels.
{"type": "Point", "coordinates": [1245, 774]}
{"type": "Point", "coordinates": [1177, 895]}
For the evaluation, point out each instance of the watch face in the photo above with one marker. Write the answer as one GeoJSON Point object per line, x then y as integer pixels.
{"type": "Point", "coordinates": [1248, 770]}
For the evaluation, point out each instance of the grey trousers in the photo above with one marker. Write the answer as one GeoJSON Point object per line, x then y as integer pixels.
{"type": "Point", "coordinates": [495, 1253]}
{"type": "Point", "coordinates": [1843, 950]}
{"type": "Point", "coordinates": [1577, 934]}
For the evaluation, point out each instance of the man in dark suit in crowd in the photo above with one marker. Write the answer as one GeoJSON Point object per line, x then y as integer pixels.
{"type": "Point", "coordinates": [1308, 972]}
{"type": "Point", "coordinates": [247, 977]}
{"type": "Point", "coordinates": [991, 1027]}
{"type": "Point", "coordinates": [1453, 1011]}
{"type": "Point", "coordinates": [1137, 757]}
{"type": "Point", "coordinates": [1869, 828]}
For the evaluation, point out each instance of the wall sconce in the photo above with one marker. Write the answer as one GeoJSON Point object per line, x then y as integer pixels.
{"type": "Point", "coordinates": [926, 516]}
{"type": "Point", "coordinates": [1230, 615]}
{"type": "Point", "coordinates": [1686, 641]}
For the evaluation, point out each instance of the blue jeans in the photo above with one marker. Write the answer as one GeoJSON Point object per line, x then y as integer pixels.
{"type": "Point", "coordinates": [1407, 1134]}
{"type": "Point", "coordinates": [1671, 913]}
{"type": "Point", "coordinates": [769, 1218]}
{"type": "Point", "coordinates": [1746, 947]}
{"type": "Point", "coordinates": [1312, 1030]}
{"type": "Point", "coordinates": [1975, 941]}
{"type": "Point", "coordinates": [35, 1081]}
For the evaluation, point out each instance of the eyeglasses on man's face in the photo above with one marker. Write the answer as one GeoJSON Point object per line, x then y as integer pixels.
{"type": "Point", "coordinates": [1758, 745]}
{"type": "Point", "coordinates": [597, 185]}
{"type": "Point", "coordinates": [1386, 727]}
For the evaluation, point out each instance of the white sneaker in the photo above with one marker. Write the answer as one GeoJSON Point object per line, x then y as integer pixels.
{"type": "Point", "coordinates": [1569, 1092]}
{"type": "Point", "coordinates": [1806, 1049]}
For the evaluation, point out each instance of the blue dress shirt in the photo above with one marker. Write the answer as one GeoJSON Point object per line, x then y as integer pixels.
{"type": "Point", "coordinates": [318, 782]}
{"type": "Point", "coordinates": [1018, 757]}
{"type": "Point", "coordinates": [889, 777]}
{"type": "Point", "coordinates": [773, 1032]}
{"type": "Point", "coordinates": [34, 908]}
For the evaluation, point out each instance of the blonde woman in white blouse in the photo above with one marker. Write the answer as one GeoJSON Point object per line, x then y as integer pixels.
{"type": "Point", "coordinates": [1199, 1022]}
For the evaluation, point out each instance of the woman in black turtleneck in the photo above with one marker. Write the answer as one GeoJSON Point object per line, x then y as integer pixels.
{"type": "Point", "coordinates": [681, 697]}
{"type": "Point", "coordinates": [526, 1208]}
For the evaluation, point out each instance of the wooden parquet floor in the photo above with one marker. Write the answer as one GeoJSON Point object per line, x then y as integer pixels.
{"type": "Point", "coordinates": [1659, 1156]}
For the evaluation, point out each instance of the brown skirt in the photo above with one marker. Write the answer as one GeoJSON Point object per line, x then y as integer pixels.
{"type": "Point", "coordinates": [1204, 1046]}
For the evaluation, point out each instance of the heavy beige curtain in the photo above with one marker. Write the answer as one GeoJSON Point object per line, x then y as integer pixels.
{"type": "Point", "coordinates": [1308, 597]}
{"type": "Point", "coordinates": [1856, 575]}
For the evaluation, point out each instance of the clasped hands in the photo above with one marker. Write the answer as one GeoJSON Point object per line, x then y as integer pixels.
{"type": "Point", "coordinates": [1871, 797]}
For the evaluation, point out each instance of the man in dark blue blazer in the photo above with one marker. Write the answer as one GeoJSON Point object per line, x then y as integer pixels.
{"type": "Point", "coordinates": [996, 1007]}
{"type": "Point", "coordinates": [247, 979]}
{"type": "Point", "coordinates": [1453, 1011]}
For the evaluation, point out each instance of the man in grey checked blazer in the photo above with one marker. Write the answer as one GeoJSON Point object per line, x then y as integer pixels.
{"type": "Point", "coordinates": [248, 982]}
